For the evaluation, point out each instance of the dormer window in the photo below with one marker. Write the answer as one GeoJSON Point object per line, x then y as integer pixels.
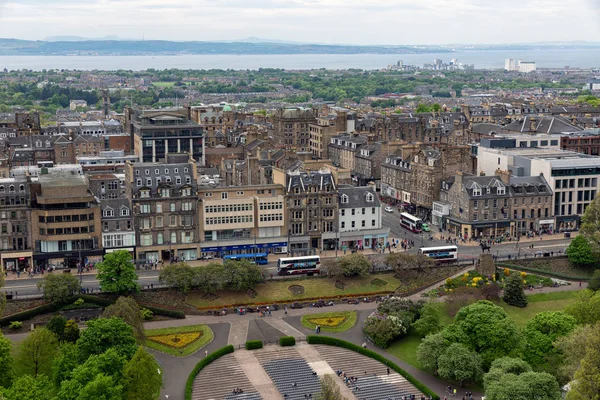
{"type": "Point", "coordinates": [124, 212]}
{"type": "Point", "coordinates": [21, 188]}
{"type": "Point", "coordinates": [488, 190]}
{"type": "Point", "coordinates": [47, 143]}
{"type": "Point", "coordinates": [370, 197]}
{"type": "Point", "coordinates": [477, 191]}
{"type": "Point", "coordinates": [164, 192]}
{"type": "Point", "coordinates": [38, 143]}
{"type": "Point", "coordinates": [344, 199]}
{"type": "Point", "coordinates": [144, 194]}
{"type": "Point", "coordinates": [108, 212]}
{"type": "Point", "coordinates": [501, 190]}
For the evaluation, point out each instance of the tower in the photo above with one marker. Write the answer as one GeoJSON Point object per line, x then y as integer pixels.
{"type": "Point", "coordinates": [105, 103]}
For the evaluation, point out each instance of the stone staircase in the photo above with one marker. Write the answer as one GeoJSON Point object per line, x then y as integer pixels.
{"type": "Point", "coordinates": [217, 380]}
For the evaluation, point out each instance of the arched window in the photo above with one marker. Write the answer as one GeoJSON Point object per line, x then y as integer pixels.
{"type": "Point", "coordinates": [21, 188]}
{"type": "Point", "coordinates": [11, 189]}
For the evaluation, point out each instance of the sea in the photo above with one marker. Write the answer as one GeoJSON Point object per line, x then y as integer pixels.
{"type": "Point", "coordinates": [481, 59]}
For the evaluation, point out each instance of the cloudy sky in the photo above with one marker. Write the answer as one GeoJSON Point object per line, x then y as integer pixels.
{"type": "Point", "coordinates": [314, 21]}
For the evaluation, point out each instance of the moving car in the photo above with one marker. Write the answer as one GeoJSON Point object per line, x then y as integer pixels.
{"type": "Point", "coordinates": [389, 209]}
{"type": "Point", "coordinates": [425, 227]}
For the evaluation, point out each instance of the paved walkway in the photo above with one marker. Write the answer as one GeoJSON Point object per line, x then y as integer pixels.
{"type": "Point", "coordinates": [257, 375]}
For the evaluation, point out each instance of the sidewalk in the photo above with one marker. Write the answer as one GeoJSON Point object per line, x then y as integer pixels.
{"type": "Point", "coordinates": [523, 240]}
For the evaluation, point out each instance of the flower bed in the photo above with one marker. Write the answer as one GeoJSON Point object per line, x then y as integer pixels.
{"type": "Point", "coordinates": [330, 322]}
{"type": "Point", "coordinates": [177, 340]}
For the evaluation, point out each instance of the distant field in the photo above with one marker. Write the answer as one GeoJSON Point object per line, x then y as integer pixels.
{"type": "Point", "coordinates": [163, 84]}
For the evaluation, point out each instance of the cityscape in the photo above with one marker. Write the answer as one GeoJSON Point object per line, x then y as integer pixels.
{"type": "Point", "coordinates": [334, 214]}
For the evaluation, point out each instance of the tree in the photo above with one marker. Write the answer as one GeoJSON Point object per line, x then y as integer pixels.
{"type": "Point", "coordinates": [594, 283]}
{"type": "Point", "coordinates": [117, 273]}
{"type": "Point", "coordinates": [128, 310]}
{"type": "Point", "coordinates": [573, 348]}
{"type": "Point", "coordinates": [429, 321]}
{"type": "Point", "coordinates": [178, 276]}
{"type": "Point", "coordinates": [56, 325]}
{"type": "Point", "coordinates": [541, 332]}
{"type": "Point", "coordinates": [29, 388]}
{"type": "Point", "coordinates": [586, 307]}
{"type": "Point", "coordinates": [512, 378]}
{"type": "Point", "coordinates": [402, 261]}
{"type": "Point", "coordinates": [514, 294]}
{"type": "Point", "coordinates": [590, 223]}
{"type": "Point", "coordinates": [460, 364]}
{"type": "Point", "coordinates": [36, 353]}
{"type": "Point", "coordinates": [6, 362]}
{"type": "Point", "coordinates": [59, 288]}
{"type": "Point", "coordinates": [71, 332]}
{"type": "Point", "coordinates": [240, 275]}
{"type": "Point", "coordinates": [211, 278]}
{"type": "Point", "coordinates": [382, 329]}
{"type": "Point", "coordinates": [142, 375]}
{"type": "Point", "coordinates": [329, 389]}
{"type": "Point", "coordinates": [105, 333]}
{"type": "Point", "coordinates": [64, 362]}
{"type": "Point", "coordinates": [580, 251]}
{"type": "Point", "coordinates": [586, 383]}
{"type": "Point", "coordinates": [430, 350]}
{"type": "Point", "coordinates": [355, 264]}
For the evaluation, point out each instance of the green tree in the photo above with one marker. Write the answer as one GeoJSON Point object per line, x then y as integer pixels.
{"type": "Point", "coordinates": [423, 108]}
{"type": "Point", "coordinates": [117, 273]}
{"type": "Point", "coordinates": [128, 310]}
{"type": "Point", "coordinates": [382, 329]}
{"type": "Point", "coordinates": [541, 332]}
{"type": "Point", "coordinates": [580, 251]}
{"type": "Point", "coordinates": [29, 388]}
{"type": "Point", "coordinates": [211, 278]}
{"type": "Point", "coordinates": [430, 350]}
{"type": "Point", "coordinates": [329, 389]}
{"type": "Point", "coordinates": [59, 287]}
{"type": "Point", "coordinates": [460, 364]}
{"type": "Point", "coordinates": [56, 325]}
{"type": "Point", "coordinates": [143, 378]}
{"type": "Point", "coordinates": [178, 276]}
{"type": "Point", "coordinates": [429, 321]}
{"type": "Point", "coordinates": [572, 349]}
{"type": "Point", "coordinates": [105, 333]}
{"type": "Point", "coordinates": [355, 264]}
{"type": "Point", "coordinates": [6, 362]}
{"type": "Point", "coordinates": [586, 383]}
{"type": "Point", "coordinates": [71, 332]}
{"type": "Point", "coordinates": [594, 283]}
{"type": "Point", "coordinates": [590, 223]}
{"type": "Point", "coordinates": [586, 307]}
{"type": "Point", "coordinates": [514, 294]}
{"type": "Point", "coordinates": [511, 378]}
{"type": "Point", "coordinates": [64, 362]}
{"type": "Point", "coordinates": [401, 261]}
{"type": "Point", "coordinates": [36, 353]}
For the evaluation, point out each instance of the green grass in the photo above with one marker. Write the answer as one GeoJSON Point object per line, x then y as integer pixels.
{"type": "Point", "coordinates": [344, 326]}
{"type": "Point", "coordinates": [163, 84]}
{"type": "Point", "coordinates": [277, 291]}
{"type": "Point", "coordinates": [522, 315]}
{"type": "Point", "coordinates": [552, 296]}
{"type": "Point", "coordinates": [406, 349]}
{"type": "Point", "coordinates": [193, 347]}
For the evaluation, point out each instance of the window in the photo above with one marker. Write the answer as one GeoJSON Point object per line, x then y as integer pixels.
{"type": "Point", "coordinates": [173, 207]}
{"type": "Point", "coordinates": [475, 216]}
{"type": "Point", "coordinates": [372, 210]}
{"type": "Point", "coordinates": [372, 222]}
{"type": "Point", "coordinates": [146, 239]}
{"type": "Point", "coordinates": [159, 238]}
{"type": "Point", "coordinates": [475, 204]}
{"type": "Point", "coordinates": [343, 224]}
{"type": "Point", "coordinates": [173, 237]}
{"type": "Point", "coordinates": [364, 211]}
{"type": "Point", "coordinates": [159, 222]}
{"type": "Point", "coordinates": [364, 223]}
{"type": "Point", "coordinates": [353, 224]}
{"type": "Point", "coordinates": [145, 223]}
{"type": "Point", "coordinates": [138, 182]}
{"type": "Point", "coordinates": [158, 207]}
{"type": "Point", "coordinates": [476, 191]}
{"type": "Point", "coordinates": [353, 211]}
{"type": "Point", "coordinates": [173, 220]}
{"type": "Point", "coordinates": [124, 212]}
{"type": "Point", "coordinates": [144, 208]}
{"type": "Point", "coordinates": [501, 190]}
{"type": "Point", "coordinates": [144, 194]}
{"type": "Point", "coordinates": [178, 180]}
{"type": "Point", "coordinates": [344, 200]}
{"type": "Point", "coordinates": [186, 192]}
{"type": "Point", "coordinates": [186, 206]}
{"type": "Point", "coordinates": [108, 212]}
{"type": "Point", "coordinates": [208, 194]}
{"type": "Point", "coordinates": [224, 195]}
{"type": "Point", "coordinates": [342, 212]}
{"type": "Point", "coordinates": [165, 192]}
{"type": "Point", "coordinates": [239, 193]}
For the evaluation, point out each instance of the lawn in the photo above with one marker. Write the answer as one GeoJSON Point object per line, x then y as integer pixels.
{"type": "Point", "coordinates": [278, 291]}
{"type": "Point", "coordinates": [339, 321]}
{"type": "Point", "coordinates": [163, 84]}
{"type": "Point", "coordinates": [179, 336]}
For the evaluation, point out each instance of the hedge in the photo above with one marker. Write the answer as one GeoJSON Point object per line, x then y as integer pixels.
{"type": "Point", "coordinates": [318, 339]}
{"type": "Point", "coordinates": [287, 341]}
{"type": "Point", "coordinates": [254, 344]}
{"type": "Point", "coordinates": [54, 307]}
{"type": "Point", "coordinates": [542, 272]}
{"type": "Point", "coordinates": [203, 363]}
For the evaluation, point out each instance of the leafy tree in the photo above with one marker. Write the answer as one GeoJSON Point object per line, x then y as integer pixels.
{"type": "Point", "coordinates": [36, 353]}
{"type": "Point", "coordinates": [143, 378]}
{"type": "Point", "coordinates": [580, 251]}
{"type": "Point", "coordinates": [178, 276]}
{"type": "Point", "coordinates": [71, 332]}
{"type": "Point", "coordinates": [6, 362]}
{"type": "Point", "coordinates": [382, 329]}
{"type": "Point", "coordinates": [329, 389]}
{"type": "Point", "coordinates": [105, 333]}
{"type": "Point", "coordinates": [402, 261]}
{"type": "Point", "coordinates": [355, 264]}
{"type": "Point", "coordinates": [241, 275]}
{"type": "Point", "coordinates": [541, 332]}
{"type": "Point", "coordinates": [487, 329]}
{"type": "Point", "coordinates": [56, 325]}
{"type": "Point", "coordinates": [514, 294]}
{"type": "Point", "coordinates": [573, 348]}
{"type": "Point", "coordinates": [423, 108]}
{"type": "Point", "coordinates": [590, 223]}
{"type": "Point", "coordinates": [460, 364]}
{"type": "Point", "coordinates": [117, 273]}
{"type": "Point", "coordinates": [102, 388]}
{"type": "Point", "coordinates": [586, 383]}
{"type": "Point", "coordinates": [512, 378]}
{"type": "Point", "coordinates": [29, 388]}
{"type": "Point", "coordinates": [586, 307]}
{"type": "Point", "coordinates": [430, 350]}
{"type": "Point", "coordinates": [66, 359]}
{"type": "Point", "coordinates": [430, 320]}
{"type": "Point", "coordinates": [128, 310]}
{"type": "Point", "coordinates": [594, 283]}
{"type": "Point", "coordinates": [211, 278]}
{"type": "Point", "coordinates": [59, 287]}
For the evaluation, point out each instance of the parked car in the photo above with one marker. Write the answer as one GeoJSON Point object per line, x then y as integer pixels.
{"type": "Point", "coordinates": [297, 305]}
{"type": "Point", "coordinates": [389, 209]}
{"type": "Point", "coordinates": [206, 257]}
{"type": "Point", "coordinates": [425, 228]}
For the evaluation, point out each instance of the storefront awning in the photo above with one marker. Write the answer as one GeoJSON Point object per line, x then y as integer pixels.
{"type": "Point", "coordinates": [23, 254]}
{"type": "Point", "coordinates": [125, 248]}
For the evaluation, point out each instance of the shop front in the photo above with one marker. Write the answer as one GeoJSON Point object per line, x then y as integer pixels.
{"type": "Point", "coordinates": [546, 226]}
{"type": "Point", "coordinates": [485, 229]}
{"type": "Point", "coordinates": [567, 223]}
{"type": "Point", "coordinates": [16, 261]}
{"type": "Point", "coordinates": [220, 251]}
{"type": "Point", "coordinates": [68, 259]}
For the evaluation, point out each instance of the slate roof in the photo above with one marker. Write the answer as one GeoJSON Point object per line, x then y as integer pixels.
{"type": "Point", "coordinates": [529, 186]}
{"type": "Point", "coordinates": [304, 179]}
{"type": "Point", "coordinates": [487, 129]}
{"type": "Point", "coordinates": [542, 124]}
{"type": "Point", "coordinates": [357, 196]}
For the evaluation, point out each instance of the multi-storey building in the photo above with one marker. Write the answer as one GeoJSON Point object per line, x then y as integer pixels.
{"type": "Point", "coordinates": [215, 121]}
{"type": "Point", "coordinates": [65, 221]}
{"type": "Point", "coordinates": [585, 142]}
{"type": "Point", "coordinates": [157, 133]}
{"type": "Point", "coordinates": [291, 128]}
{"type": "Point", "coordinates": [164, 203]}
{"type": "Point", "coordinates": [360, 218]}
{"type": "Point", "coordinates": [367, 164]}
{"type": "Point", "coordinates": [117, 218]}
{"type": "Point", "coordinates": [312, 204]}
{"type": "Point", "coordinates": [396, 179]}
{"type": "Point", "coordinates": [343, 150]}
{"type": "Point", "coordinates": [15, 236]}
{"type": "Point", "coordinates": [324, 129]}
{"type": "Point", "coordinates": [531, 204]}
{"type": "Point", "coordinates": [242, 219]}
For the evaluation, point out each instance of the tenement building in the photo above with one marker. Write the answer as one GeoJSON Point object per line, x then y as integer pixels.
{"type": "Point", "coordinates": [65, 221]}
{"type": "Point", "coordinates": [291, 128]}
{"type": "Point", "coordinates": [164, 203]}
{"type": "Point", "coordinates": [15, 236]}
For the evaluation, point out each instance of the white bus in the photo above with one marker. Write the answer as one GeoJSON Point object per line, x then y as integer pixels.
{"type": "Point", "coordinates": [441, 254]}
{"type": "Point", "coordinates": [298, 265]}
{"type": "Point", "coordinates": [411, 222]}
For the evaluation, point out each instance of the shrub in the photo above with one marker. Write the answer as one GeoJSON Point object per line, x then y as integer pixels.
{"type": "Point", "coordinates": [56, 325]}
{"type": "Point", "coordinates": [513, 292]}
{"type": "Point", "coordinates": [595, 281]}
{"type": "Point", "coordinates": [15, 325]}
{"type": "Point", "coordinates": [287, 341]}
{"type": "Point", "coordinates": [147, 315]}
{"type": "Point", "coordinates": [79, 302]}
{"type": "Point", "coordinates": [317, 339]}
{"type": "Point", "coordinates": [254, 344]}
{"type": "Point", "coordinates": [203, 363]}
{"type": "Point", "coordinates": [71, 332]}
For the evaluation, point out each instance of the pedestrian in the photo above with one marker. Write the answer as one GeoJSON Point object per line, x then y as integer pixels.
{"type": "Point", "coordinates": [285, 310]}
{"type": "Point", "coordinates": [579, 284]}
{"type": "Point", "coordinates": [205, 353]}
{"type": "Point", "coordinates": [388, 370]}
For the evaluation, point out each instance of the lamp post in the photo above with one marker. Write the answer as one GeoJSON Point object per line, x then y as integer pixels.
{"type": "Point", "coordinates": [80, 263]}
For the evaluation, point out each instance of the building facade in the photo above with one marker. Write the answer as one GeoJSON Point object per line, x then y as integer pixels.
{"type": "Point", "coordinates": [291, 128]}
{"type": "Point", "coordinates": [15, 236]}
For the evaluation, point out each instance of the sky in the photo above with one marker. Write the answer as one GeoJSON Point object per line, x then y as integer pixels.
{"type": "Point", "coordinates": [391, 22]}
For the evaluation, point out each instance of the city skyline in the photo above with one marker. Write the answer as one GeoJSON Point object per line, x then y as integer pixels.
{"type": "Point", "coordinates": [329, 21]}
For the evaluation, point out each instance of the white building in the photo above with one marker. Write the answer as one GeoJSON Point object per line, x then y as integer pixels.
{"type": "Point", "coordinates": [360, 218]}
{"type": "Point", "coordinates": [526, 66]}
{"type": "Point", "coordinates": [510, 64]}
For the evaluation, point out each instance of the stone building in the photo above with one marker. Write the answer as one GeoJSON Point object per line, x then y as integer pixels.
{"type": "Point", "coordinates": [396, 179]}
{"type": "Point", "coordinates": [367, 164]}
{"type": "Point", "coordinates": [164, 201]}
{"type": "Point", "coordinates": [291, 128]}
{"type": "Point", "coordinates": [15, 234]}
{"type": "Point", "coordinates": [344, 148]}
{"type": "Point", "coordinates": [216, 121]}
